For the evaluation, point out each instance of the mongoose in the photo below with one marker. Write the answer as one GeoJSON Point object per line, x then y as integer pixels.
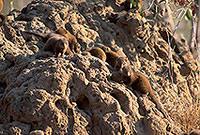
{"type": "Point", "coordinates": [58, 44]}
{"type": "Point", "coordinates": [142, 84]}
{"type": "Point", "coordinates": [98, 52]}
{"type": "Point", "coordinates": [2, 16]}
{"type": "Point", "coordinates": [73, 43]}
{"type": "Point", "coordinates": [55, 43]}
{"type": "Point", "coordinates": [111, 57]}
{"type": "Point", "coordinates": [122, 71]}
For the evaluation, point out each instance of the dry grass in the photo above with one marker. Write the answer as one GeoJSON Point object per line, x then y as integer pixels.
{"type": "Point", "coordinates": [188, 117]}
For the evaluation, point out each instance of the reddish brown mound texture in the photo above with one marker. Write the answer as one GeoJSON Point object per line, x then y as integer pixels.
{"type": "Point", "coordinates": [41, 94]}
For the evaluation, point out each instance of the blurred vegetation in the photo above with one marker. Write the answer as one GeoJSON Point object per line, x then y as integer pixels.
{"type": "Point", "coordinates": [17, 4]}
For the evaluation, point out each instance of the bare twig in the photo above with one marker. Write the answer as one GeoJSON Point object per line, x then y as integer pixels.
{"type": "Point", "coordinates": [198, 27]}
{"type": "Point", "coordinates": [193, 38]}
{"type": "Point", "coordinates": [169, 49]}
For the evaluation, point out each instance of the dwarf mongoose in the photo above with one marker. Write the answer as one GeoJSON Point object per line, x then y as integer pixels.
{"type": "Point", "coordinates": [98, 52]}
{"type": "Point", "coordinates": [73, 43]}
{"type": "Point", "coordinates": [2, 16]}
{"type": "Point", "coordinates": [142, 84]}
{"type": "Point", "coordinates": [58, 44]}
{"type": "Point", "coordinates": [123, 72]}
{"type": "Point", "coordinates": [55, 43]}
{"type": "Point", "coordinates": [121, 66]}
{"type": "Point", "coordinates": [111, 58]}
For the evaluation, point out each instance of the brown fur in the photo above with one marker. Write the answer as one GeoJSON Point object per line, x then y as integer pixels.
{"type": "Point", "coordinates": [98, 52]}
{"type": "Point", "coordinates": [142, 84]}
{"type": "Point", "coordinates": [103, 47]}
{"type": "Point", "coordinates": [2, 16]}
{"type": "Point", "coordinates": [74, 45]}
{"type": "Point", "coordinates": [58, 44]}
{"type": "Point", "coordinates": [111, 58]}
{"type": "Point", "coordinates": [123, 72]}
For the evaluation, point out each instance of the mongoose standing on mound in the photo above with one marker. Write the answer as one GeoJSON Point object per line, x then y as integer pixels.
{"type": "Point", "coordinates": [123, 72]}
{"type": "Point", "coordinates": [111, 57]}
{"type": "Point", "coordinates": [74, 46]}
{"type": "Point", "coordinates": [55, 43]}
{"type": "Point", "coordinates": [58, 45]}
{"type": "Point", "coordinates": [142, 84]}
{"type": "Point", "coordinates": [2, 16]}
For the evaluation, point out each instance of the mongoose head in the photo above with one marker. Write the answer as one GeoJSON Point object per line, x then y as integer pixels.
{"type": "Point", "coordinates": [61, 47]}
{"type": "Point", "coordinates": [123, 72]}
{"type": "Point", "coordinates": [74, 44]}
{"type": "Point", "coordinates": [105, 48]}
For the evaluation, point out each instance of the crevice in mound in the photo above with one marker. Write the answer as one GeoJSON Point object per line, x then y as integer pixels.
{"type": "Point", "coordinates": [61, 105]}
{"type": "Point", "coordinates": [12, 64]}
{"type": "Point", "coordinates": [160, 52]}
{"type": "Point", "coordinates": [147, 56]}
{"type": "Point", "coordinates": [83, 104]}
{"type": "Point", "coordinates": [70, 121]}
{"type": "Point", "coordinates": [11, 119]}
{"type": "Point", "coordinates": [167, 37]}
{"type": "Point", "coordinates": [121, 99]}
{"type": "Point", "coordinates": [3, 85]}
